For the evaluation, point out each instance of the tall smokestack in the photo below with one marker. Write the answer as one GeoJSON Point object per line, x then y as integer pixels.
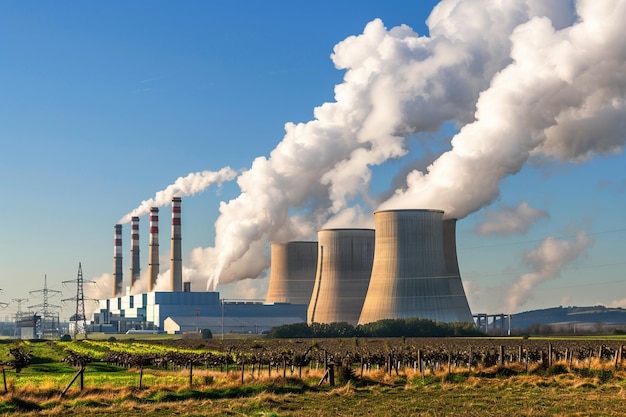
{"type": "Point", "coordinates": [135, 269]}
{"type": "Point", "coordinates": [415, 273]}
{"type": "Point", "coordinates": [117, 262]}
{"type": "Point", "coordinates": [176, 260]}
{"type": "Point", "coordinates": [153, 256]}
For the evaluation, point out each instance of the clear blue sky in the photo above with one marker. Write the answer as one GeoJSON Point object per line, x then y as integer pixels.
{"type": "Point", "coordinates": [102, 104]}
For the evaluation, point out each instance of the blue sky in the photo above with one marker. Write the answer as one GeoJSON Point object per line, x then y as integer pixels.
{"type": "Point", "coordinates": [104, 104]}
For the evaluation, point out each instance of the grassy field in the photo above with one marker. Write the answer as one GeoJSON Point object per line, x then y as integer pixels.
{"type": "Point", "coordinates": [594, 388]}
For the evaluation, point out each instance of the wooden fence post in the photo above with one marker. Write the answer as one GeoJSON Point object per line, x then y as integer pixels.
{"type": "Point", "coordinates": [550, 353]}
{"type": "Point", "coordinates": [78, 374]}
{"type": "Point", "coordinates": [4, 379]}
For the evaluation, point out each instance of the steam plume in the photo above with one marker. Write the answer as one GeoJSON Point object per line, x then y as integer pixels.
{"type": "Point", "coordinates": [562, 97]}
{"type": "Point", "coordinates": [183, 186]}
{"type": "Point", "coordinates": [396, 84]}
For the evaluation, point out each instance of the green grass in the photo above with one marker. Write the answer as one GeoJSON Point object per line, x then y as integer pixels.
{"type": "Point", "coordinates": [112, 390]}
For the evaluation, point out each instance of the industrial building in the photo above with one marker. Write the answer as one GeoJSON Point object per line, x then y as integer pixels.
{"type": "Point", "coordinates": [344, 267]}
{"type": "Point", "coordinates": [151, 310]}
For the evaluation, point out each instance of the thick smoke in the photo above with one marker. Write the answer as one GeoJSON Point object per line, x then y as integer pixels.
{"type": "Point", "coordinates": [193, 183]}
{"type": "Point", "coordinates": [562, 97]}
{"type": "Point", "coordinates": [396, 84]}
{"type": "Point", "coordinates": [547, 261]}
{"type": "Point", "coordinates": [510, 220]}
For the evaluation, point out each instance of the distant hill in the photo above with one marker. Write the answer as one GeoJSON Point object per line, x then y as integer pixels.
{"type": "Point", "coordinates": [569, 320]}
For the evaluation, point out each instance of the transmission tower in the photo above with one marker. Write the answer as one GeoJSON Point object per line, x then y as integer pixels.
{"type": "Point", "coordinates": [49, 319]}
{"type": "Point", "coordinates": [19, 317]}
{"type": "Point", "coordinates": [79, 318]}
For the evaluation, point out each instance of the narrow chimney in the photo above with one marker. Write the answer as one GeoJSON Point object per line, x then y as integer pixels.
{"type": "Point", "coordinates": [153, 256]}
{"type": "Point", "coordinates": [117, 262]}
{"type": "Point", "coordinates": [176, 261]}
{"type": "Point", "coordinates": [135, 269]}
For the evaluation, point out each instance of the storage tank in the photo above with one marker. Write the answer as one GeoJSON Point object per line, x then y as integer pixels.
{"type": "Point", "coordinates": [344, 266]}
{"type": "Point", "coordinates": [292, 272]}
{"type": "Point", "coordinates": [415, 272]}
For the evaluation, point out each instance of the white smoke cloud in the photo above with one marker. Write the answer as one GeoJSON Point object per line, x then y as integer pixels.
{"type": "Point", "coordinates": [562, 96]}
{"type": "Point", "coordinates": [192, 184]}
{"type": "Point", "coordinates": [546, 261]}
{"type": "Point", "coordinates": [510, 220]}
{"type": "Point", "coordinates": [617, 303]}
{"type": "Point", "coordinates": [395, 85]}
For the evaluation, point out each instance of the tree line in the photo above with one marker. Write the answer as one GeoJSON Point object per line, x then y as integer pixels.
{"type": "Point", "coordinates": [410, 327]}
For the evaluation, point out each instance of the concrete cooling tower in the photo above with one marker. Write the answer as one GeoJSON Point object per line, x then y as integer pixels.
{"type": "Point", "coordinates": [415, 271]}
{"type": "Point", "coordinates": [292, 272]}
{"type": "Point", "coordinates": [344, 266]}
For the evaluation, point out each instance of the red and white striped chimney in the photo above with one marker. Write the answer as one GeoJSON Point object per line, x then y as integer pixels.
{"type": "Point", "coordinates": [118, 282]}
{"type": "Point", "coordinates": [153, 256]}
{"type": "Point", "coordinates": [176, 260]}
{"type": "Point", "coordinates": [134, 251]}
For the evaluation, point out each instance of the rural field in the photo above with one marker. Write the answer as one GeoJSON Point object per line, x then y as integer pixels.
{"type": "Point", "coordinates": [307, 377]}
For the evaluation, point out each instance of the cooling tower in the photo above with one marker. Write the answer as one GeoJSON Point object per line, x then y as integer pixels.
{"type": "Point", "coordinates": [118, 279]}
{"type": "Point", "coordinates": [292, 272]}
{"type": "Point", "coordinates": [176, 259]}
{"type": "Point", "coordinates": [410, 272]}
{"type": "Point", "coordinates": [134, 251]}
{"type": "Point", "coordinates": [153, 255]}
{"type": "Point", "coordinates": [344, 266]}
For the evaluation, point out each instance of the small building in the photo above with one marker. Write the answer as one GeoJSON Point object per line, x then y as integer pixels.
{"type": "Point", "coordinates": [241, 325]}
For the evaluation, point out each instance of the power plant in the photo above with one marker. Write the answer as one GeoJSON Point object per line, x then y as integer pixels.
{"type": "Point", "coordinates": [292, 272]}
{"type": "Point", "coordinates": [406, 267]}
{"type": "Point", "coordinates": [344, 266]}
{"type": "Point", "coordinates": [175, 309]}
{"type": "Point", "coordinates": [412, 276]}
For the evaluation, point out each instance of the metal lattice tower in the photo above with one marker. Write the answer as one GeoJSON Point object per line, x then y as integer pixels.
{"type": "Point", "coordinates": [79, 318]}
{"type": "Point", "coordinates": [19, 316]}
{"type": "Point", "coordinates": [49, 318]}
{"type": "Point", "coordinates": [19, 302]}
